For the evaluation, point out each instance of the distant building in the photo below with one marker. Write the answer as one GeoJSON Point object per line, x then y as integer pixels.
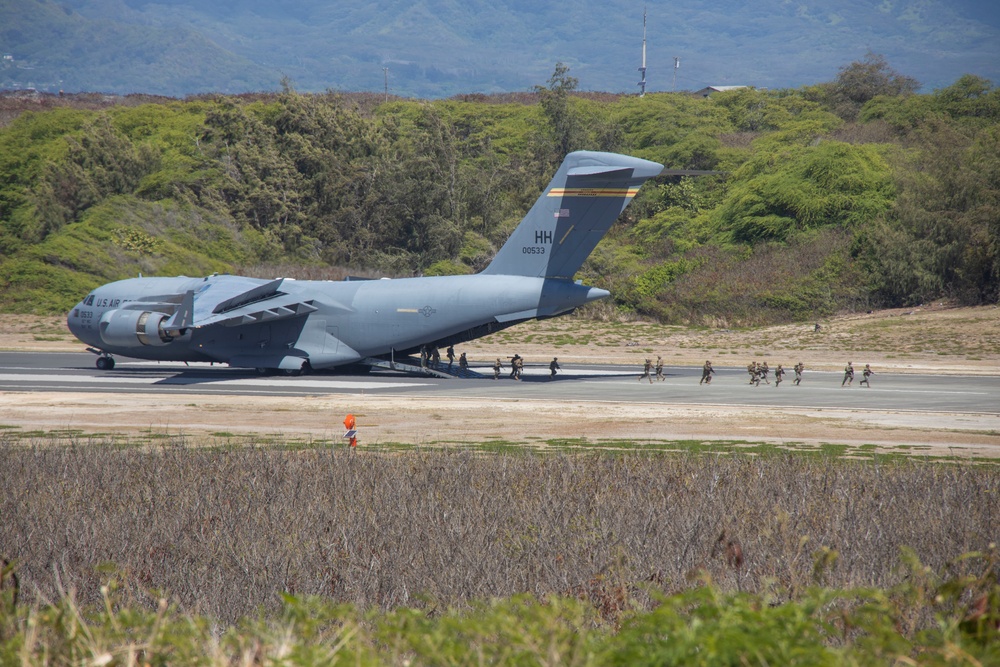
{"type": "Point", "coordinates": [705, 92]}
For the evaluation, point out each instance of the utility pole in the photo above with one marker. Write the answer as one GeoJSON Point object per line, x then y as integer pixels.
{"type": "Point", "coordinates": [642, 70]}
{"type": "Point", "coordinates": [677, 66]}
{"type": "Point", "coordinates": [385, 74]}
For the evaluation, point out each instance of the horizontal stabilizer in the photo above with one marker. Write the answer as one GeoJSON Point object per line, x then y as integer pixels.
{"type": "Point", "coordinates": [596, 171]}
{"type": "Point", "coordinates": [691, 172]}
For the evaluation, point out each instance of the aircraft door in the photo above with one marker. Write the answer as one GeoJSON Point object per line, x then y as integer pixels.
{"type": "Point", "coordinates": [264, 336]}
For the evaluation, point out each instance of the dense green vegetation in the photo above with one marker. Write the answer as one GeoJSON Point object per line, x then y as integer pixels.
{"type": "Point", "coordinates": [854, 194]}
{"type": "Point", "coordinates": [701, 626]}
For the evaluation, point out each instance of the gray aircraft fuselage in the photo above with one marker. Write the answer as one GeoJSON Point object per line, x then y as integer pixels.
{"type": "Point", "coordinates": [353, 319]}
{"type": "Point", "coordinates": [294, 324]}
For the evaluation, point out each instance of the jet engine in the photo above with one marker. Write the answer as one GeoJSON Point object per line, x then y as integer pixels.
{"type": "Point", "coordinates": [132, 328]}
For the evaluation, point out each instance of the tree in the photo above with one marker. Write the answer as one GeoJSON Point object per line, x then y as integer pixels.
{"type": "Point", "coordinates": [100, 162]}
{"type": "Point", "coordinates": [864, 80]}
{"type": "Point", "coordinates": [786, 190]}
{"type": "Point", "coordinates": [564, 124]}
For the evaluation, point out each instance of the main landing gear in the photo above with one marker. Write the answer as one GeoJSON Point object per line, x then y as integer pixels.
{"type": "Point", "coordinates": [105, 361]}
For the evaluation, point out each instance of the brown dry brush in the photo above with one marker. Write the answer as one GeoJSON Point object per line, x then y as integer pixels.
{"type": "Point", "coordinates": [224, 531]}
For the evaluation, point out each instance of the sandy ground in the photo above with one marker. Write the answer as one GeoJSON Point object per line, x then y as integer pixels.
{"type": "Point", "coordinates": [936, 339]}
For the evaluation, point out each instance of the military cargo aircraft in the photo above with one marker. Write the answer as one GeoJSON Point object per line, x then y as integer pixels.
{"type": "Point", "coordinates": [297, 325]}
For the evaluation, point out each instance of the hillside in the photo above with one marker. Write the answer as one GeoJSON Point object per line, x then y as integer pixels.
{"type": "Point", "coordinates": [434, 48]}
{"type": "Point", "coordinates": [848, 196]}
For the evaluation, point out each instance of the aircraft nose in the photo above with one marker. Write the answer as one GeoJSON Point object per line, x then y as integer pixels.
{"type": "Point", "coordinates": [75, 323]}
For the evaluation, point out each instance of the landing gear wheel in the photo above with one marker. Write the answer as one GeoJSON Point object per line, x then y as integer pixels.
{"type": "Point", "coordinates": [305, 369]}
{"type": "Point", "coordinates": [105, 363]}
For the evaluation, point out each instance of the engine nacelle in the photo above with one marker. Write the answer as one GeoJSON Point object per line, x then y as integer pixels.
{"type": "Point", "coordinates": [134, 328]}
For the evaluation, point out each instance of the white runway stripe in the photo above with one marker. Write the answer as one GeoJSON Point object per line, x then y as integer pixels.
{"type": "Point", "coordinates": [289, 382]}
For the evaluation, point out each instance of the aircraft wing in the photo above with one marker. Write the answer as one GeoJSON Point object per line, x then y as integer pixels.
{"type": "Point", "coordinates": [234, 302]}
{"type": "Point", "coordinates": [274, 308]}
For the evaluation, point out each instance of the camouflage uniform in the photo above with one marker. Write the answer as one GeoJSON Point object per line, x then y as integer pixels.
{"type": "Point", "coordinates": [646, 371]}
{"type": "Point", "coordinates": [706, 373]}
{"type": "Point", "coordinates": [779, 372]}
{"type": "Point", "coordinates": [799, 367]}
{"type": "Point", "coordinates": [497, 367]}
{"type": "Point", "coordinates": [513, 366]}
{"type": "Point", "coordinates": [848, 374]}
{"type": "Point", "coordinates": [867, 373]}
{"type": "Point", "coordinates": [553, 367]}
{"type": "Point", "coordinates": [659, 369]}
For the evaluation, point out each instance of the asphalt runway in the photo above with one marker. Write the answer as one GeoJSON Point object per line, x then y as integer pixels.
{"type": "Point", "coordinates": [946, 394]}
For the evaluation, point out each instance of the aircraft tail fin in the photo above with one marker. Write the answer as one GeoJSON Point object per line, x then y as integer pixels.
{"type": "Point", "coordinates": [574, 213]}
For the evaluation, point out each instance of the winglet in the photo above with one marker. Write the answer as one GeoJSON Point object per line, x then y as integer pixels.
{"type": "Point", "coordinates": [574, 213]}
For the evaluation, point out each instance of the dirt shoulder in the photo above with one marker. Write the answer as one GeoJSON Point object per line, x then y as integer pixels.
{"type": "Point", "coordinates": [933, 339]}
{"type": "Point", "coordinates": [390, 419]}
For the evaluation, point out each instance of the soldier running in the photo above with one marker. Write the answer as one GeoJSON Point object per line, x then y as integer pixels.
{"type": "Point", "coordinates": [867, 373]}
{"type": "Point", "coordinates": [799, 367]}
{"type": "Point", "coordinates": [753, 372]}
{"type": "Point", "coordinates": [497, 367]}
{"type": "Point", "coordinates": [779, 373]}
{"type": "Point", "coordinates": [553, 367]}
{"type": "Point", "coordinates": [513, 366]}
{"type": "Point", "coordinates": [518, 363]}
{"type": "Point", "coordinates": [647, 367]}
{"type": "Point", "coordinates": [848, 374]}
{"type": "Point", "coordinates": [706, 373]}
{"type": "Point", "coordinates": [659, 369]}
{"type": "Point", "coordinates": [764, 371]}
{"type": "Point", "coordinates": [463, 362]}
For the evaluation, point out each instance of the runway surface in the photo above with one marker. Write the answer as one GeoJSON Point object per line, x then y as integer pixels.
{"type": "Point", "coordinates": [66, 372]}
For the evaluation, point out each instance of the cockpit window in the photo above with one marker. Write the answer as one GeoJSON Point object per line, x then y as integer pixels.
{"type": "Point", "coordinates": [89, 301]}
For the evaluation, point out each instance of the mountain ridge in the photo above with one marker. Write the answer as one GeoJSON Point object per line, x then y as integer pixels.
{"type": "Point", "coordinates": [440, 48]}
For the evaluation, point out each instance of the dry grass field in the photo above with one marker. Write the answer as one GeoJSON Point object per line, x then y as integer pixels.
{"type": "Point", "coordinates": [226, 530]}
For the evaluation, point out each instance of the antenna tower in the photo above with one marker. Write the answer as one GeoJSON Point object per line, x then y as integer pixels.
{"type": "Point", "coordinates": [642, 70]}
{"type": "Point", "coordinates": [677, 64]}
